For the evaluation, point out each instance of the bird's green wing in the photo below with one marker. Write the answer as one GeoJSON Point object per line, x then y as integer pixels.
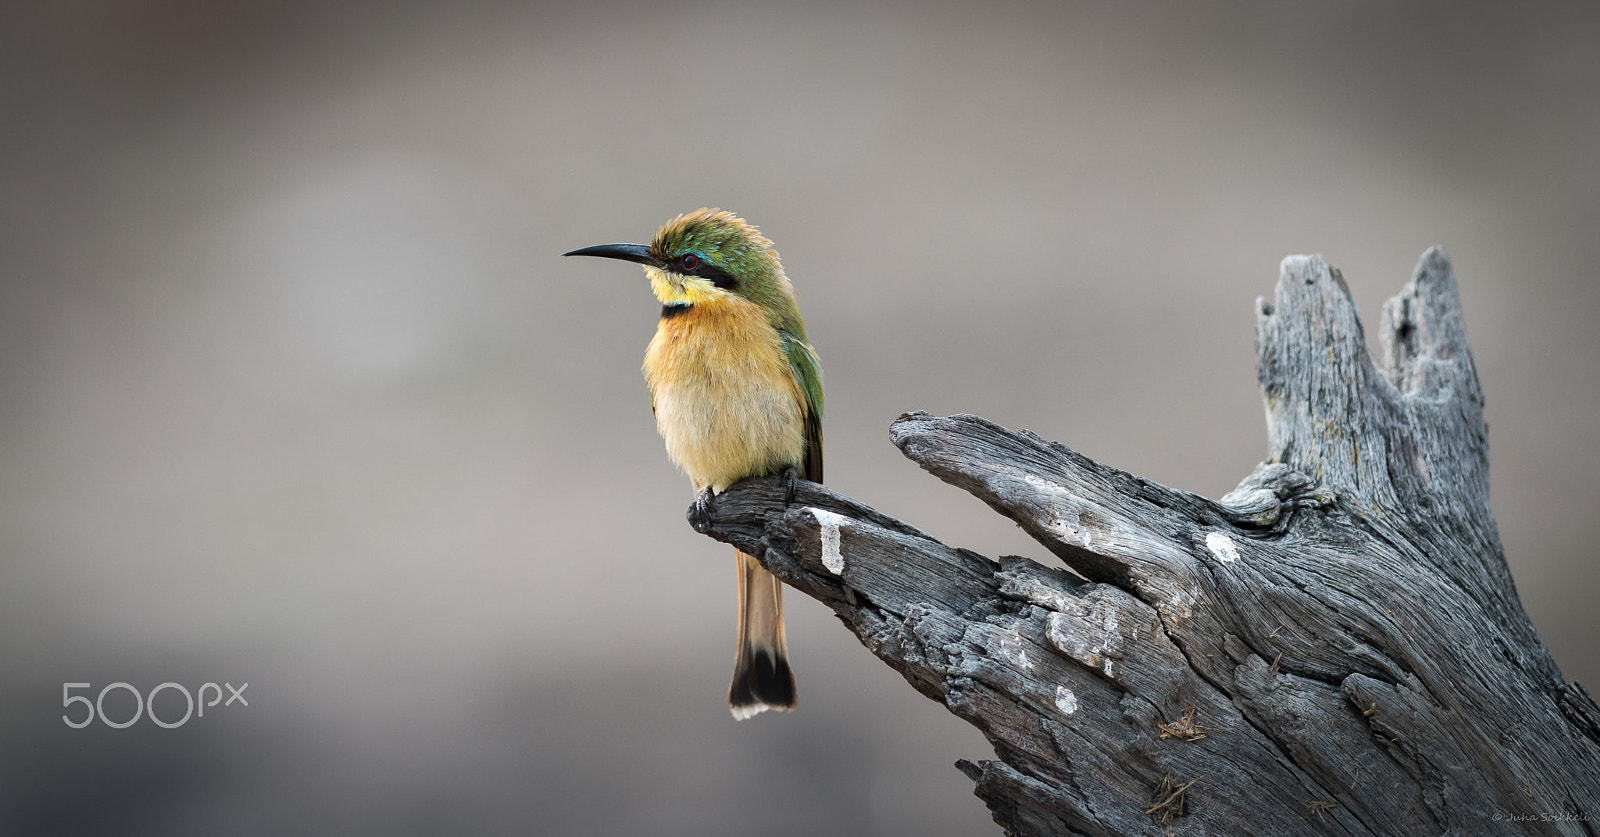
{"type": "Point", "coordinates": [808, 371]}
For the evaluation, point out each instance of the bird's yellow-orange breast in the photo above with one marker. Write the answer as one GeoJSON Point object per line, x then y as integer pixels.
{"type": "Point", "coordinates": [725, 397]}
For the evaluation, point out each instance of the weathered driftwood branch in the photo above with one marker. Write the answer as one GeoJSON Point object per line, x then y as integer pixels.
{"type": "Point", "coordinates": [1335, 647]}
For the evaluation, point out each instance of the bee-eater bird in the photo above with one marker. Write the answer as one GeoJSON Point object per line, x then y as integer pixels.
{"type": "Point", "coordinates": [737, 392]}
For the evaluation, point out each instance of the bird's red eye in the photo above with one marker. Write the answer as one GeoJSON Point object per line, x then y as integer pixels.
{"type": "Point", "coordinates": [691, 261]}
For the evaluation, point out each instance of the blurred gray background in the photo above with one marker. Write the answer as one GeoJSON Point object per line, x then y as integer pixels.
{"type": "Point", "coordinates": [295, 389]}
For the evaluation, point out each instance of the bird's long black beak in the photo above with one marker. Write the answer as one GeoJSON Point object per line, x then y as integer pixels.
{"type": "Point", "coordinates": [627, 252]}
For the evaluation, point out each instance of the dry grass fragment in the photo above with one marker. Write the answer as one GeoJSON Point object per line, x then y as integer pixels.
{"type": "Point", "coordinates": [1167, 803]}
{"type": "Point", "coordinates": [1185, 728]}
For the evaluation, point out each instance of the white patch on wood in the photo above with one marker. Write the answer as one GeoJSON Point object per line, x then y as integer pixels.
{"type": "Point", "coordinates": [1182, 602]}
{"type": "Point", "coordinates": [1038, 593]}
{"type": "Point", "coordinates": [1091, 636]}
{"type": "Point", "coordinates": [1010, 647]}
{"type": "Point", "coordinates": [1040, 483]}
{"type": "Point", "coordinates": [1222, 546]}
{"type": "Point", "coordinates": [832, 558]}
{"type": "Point", "coordinates": [1066, 518]}
{"type": "Point", "coordinates": [1066, 701]}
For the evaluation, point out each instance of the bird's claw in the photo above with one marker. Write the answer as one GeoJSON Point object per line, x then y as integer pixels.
{"type": "Point", "coordinates": [791, 481]}
{"type": "Point", "coordinates": [700, 512]}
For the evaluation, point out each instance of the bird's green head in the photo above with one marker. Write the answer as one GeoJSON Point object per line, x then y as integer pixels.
{"type": "Point", "coordinates": [707, 255]}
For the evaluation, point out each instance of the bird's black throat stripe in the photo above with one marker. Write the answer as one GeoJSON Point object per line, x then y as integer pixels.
{"type": "Point", "coordinates": [674, 309]}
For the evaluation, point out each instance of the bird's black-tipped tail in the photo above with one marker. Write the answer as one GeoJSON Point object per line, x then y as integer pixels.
{"type": "Point", "coordinates": [761, 676]}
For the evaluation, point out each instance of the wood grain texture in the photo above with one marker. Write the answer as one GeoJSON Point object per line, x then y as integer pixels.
{"type": "Point", "coordinates": [1341, 630]}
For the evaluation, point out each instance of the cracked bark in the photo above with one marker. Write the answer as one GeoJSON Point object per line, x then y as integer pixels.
{"type": "Point", "coordinates": [1343, 623]}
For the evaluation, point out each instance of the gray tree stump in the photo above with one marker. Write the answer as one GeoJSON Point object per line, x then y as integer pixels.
{"type": "Point", "coordinates": [1335, 647]}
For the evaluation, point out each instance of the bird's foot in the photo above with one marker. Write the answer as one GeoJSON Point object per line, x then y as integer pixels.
{"type": "Point", "coordinates": [700, 512]}
{"type": "Point", "coordinates": [791, 483]}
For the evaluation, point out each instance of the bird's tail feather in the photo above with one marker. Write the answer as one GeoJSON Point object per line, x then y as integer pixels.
{"type": "Point", "coordinates": [761, 676]}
